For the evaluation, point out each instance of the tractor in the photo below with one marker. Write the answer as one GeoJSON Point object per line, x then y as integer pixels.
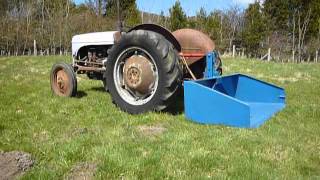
{"type": "Point", "coordinates": [143, 69]}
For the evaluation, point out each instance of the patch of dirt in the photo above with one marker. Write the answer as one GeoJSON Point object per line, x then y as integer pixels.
{"type": "Point", "coordinates": [154, 130]}
{"type": "Point", "coordinates": [3, 66]}
{"type": "Point", "coordinates": [17, 77]}
{"type": "Point", "coordinates": [248, 70]}
{"type": "Point", "coordinates": [34, 70]}
{"type": "Point", "coordinates": [83, 171]}
{"type": "Point", "coordinates": [298, 76]}
{"type": "Point", "coordinates": [288, 79]}
{"type": "Point", "coordinates": [14, 164]}
{"type": "Point", "coordinates": [41, 136]}
{"type": "Point", "coordinates": [79, 131]}
{"type": "Point", "coordinates": [276, 153]}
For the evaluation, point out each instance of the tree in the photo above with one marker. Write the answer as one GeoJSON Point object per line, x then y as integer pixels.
{"type": "Point", "coordinates": [132, 15]}
{"type": "Point", "coordinates": [178, 18]}
{"type": "Point", "coordinates": [163, 19]}
{"type": "Point", "coordinates": [277, 14]}
{"type": "Point", "coordinates": [233, 20]}
{"type": "Point", "coordinates": [294, 21]}
{"type": "Point", "coordinates": [128, 11]}
{"type": "Point", "coordinates": [201, 19]}
{"type": "Point", "coordinates": [254, 29]}
{"type": "Point", "coordinates": [3, 7]}
{"type": "Point", "coordinates": [215, 27]}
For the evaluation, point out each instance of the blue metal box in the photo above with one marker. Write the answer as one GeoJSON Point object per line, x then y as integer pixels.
{"type": "Point", "coordinates": [236, 100]}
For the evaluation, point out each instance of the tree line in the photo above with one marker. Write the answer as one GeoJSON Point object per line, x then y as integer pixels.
{"type": "Point", "coordinates": [52, 23]}
{"type": "Point", "coordinates": [291, 28]}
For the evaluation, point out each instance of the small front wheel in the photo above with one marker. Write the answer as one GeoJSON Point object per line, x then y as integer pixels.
{"type": "Point", "coordinates": [63, 80]}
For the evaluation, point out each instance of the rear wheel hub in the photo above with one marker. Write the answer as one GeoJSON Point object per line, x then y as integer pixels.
{"type": "Point", "coordinates": [139, 74]}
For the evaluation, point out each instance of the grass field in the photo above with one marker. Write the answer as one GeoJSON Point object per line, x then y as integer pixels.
{"type": "Point", "coordinates": [62, 133]}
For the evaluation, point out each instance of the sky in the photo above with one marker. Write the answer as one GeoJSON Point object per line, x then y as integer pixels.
{"type": "Point", "coordinates": [189, 6]}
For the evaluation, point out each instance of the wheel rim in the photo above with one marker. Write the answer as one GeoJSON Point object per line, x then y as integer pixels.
{"type": "Point", "coordinates": [60, 82]}
{"type": "Point", "coordinates": [124, 89]}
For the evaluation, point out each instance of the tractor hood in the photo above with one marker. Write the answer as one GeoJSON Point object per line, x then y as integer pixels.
{"type": "Point", "coordinates": [97, 38]}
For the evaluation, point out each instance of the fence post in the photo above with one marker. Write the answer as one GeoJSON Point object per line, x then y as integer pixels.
{"type": "Point", "coordinates": [293, 56]}
{"type": "Point", "coordinates": [234, 51]}
{"type": "Point", "coordinates": [35, 48]}
{"type": "Point", "coordinates": [269, 54]}
{"type": "Point", "coordinates": [242, 53]}
{"type": "Point", "coordinates": [142, 20]}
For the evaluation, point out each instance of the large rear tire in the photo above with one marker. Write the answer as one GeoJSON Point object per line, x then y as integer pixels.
{"type": "Point", "coordinates": [143, 47]}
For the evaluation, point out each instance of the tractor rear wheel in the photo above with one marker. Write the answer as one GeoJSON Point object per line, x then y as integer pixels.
{"type": "Point", "coordinates": [63, 80]}
{"type": "Point", "coordinates": [143, 72]}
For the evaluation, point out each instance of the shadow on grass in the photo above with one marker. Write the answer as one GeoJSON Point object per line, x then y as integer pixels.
{"type": "Point", "coordinates": [81, 94]}
{"type": "Point", "coordinates": [100, 89]}
{"type": "Point", "coordinates": [2, 128]}
{"type": "Point", "coordinates": [176, 108]}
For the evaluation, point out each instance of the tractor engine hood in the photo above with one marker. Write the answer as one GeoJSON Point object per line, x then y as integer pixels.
{"type": "Point", "coordinates": [89, 39]}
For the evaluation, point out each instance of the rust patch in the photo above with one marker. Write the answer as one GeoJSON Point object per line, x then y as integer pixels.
{"type": "Point", "coordinates": [194, 42]}
{"type": "Point", "coordinates": [61, 82]}
{"type": "Point", "coordinates": [139, 74]}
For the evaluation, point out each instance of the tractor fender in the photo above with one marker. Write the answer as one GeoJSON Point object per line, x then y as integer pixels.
{"type": "Point", "coordinates": [161, 30]}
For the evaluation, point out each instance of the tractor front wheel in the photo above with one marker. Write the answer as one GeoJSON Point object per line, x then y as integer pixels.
{"type": "Point", "coordinates": [63, 80]}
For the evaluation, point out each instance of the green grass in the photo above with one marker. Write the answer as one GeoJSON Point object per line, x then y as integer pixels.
{"type": "Point", "coordinates": [48, 127]}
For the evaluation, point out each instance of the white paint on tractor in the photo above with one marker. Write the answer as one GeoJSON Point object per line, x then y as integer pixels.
{"type": "Point", "coordinates": [96, 38]}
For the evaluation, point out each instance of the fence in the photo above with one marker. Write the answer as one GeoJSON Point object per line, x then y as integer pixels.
{"type": "Point", "coordinates": [240, 53]}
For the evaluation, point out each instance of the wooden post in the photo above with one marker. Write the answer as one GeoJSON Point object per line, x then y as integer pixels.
{"type": "Point", "coordinates": [142, 17]}
{"type": "Point", "coordinates": [269, 54]}
{"type": "Point", "coordinates": [242, 52]}
{"type": "Point", "coordinates": [234, 51]}
{"type": "Point", "coordinates": [293, 54]}
{"type": "Point", "coordinates": [317, 54]}
{"type": "Point", "coordinates": [35, 48]}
